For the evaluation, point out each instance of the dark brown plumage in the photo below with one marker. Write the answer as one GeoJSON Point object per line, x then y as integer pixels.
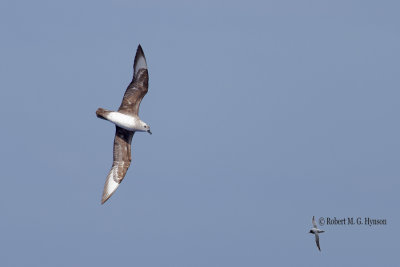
{"type": "Point", "coordinates": [121, 159]}
{"type": "Point", "coordinates": [137, 89]}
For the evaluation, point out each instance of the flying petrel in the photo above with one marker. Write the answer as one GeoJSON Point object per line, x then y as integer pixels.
{"type": "Point", "coordinates": [127, 122]}
{"type": "Point", "coordinates": [316, 231]}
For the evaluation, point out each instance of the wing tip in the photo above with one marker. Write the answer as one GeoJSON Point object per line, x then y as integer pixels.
{"type": "Point", "coordinates": [104, 199]}
{"type": "Point", "coordinates": [109, 188]}
{"type": "Point", "coordinates": [139, 48]}
{"type": "Point", "coordinates": [106, 196]}
{"type": "Point", "coordinates": [140, 60]}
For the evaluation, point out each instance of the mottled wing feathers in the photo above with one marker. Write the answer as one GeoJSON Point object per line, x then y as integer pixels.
{"type": "Point", "coordinates": [138, 88]}
{"type": "Point", "coordinates": [121, 162]}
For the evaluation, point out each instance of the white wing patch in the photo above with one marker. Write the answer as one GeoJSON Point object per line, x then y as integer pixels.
{"type": "Point", "coordinates": [140, 64]}
{"type": "Point", "coordinates": [111, 185]}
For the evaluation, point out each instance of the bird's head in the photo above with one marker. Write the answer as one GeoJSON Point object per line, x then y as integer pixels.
{"type": "Point", "coordinates": [145, 127]}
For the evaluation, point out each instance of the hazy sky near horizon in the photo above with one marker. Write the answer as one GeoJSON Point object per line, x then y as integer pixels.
{"type": "Point", "coordinates": [263, 113]}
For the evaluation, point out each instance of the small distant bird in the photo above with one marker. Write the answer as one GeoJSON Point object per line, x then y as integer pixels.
{"type": "Point", "coordinates": [316, 231]}
{"type": "Point", "coordinates": [127, 122]}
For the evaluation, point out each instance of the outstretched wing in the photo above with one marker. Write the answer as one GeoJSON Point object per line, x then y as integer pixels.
{"type": "Point", "coordinates": [138, 88]}
{"type": "Point", "coordinates": [313, 222]}
{"type": "Point", "coordinates": [121, 162]}
{"type": "Point", "coordinates": [317, 241]}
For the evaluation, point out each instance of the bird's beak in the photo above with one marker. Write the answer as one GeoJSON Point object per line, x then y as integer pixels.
{"type": "Point", "coordinates": [149, 132]}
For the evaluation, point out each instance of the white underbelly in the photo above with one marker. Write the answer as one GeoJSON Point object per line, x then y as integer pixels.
{"type": "Point", "coordinates": [124, 121]}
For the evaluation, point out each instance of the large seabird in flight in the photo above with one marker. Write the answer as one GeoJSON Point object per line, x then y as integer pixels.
{"type": "Point", "coordinates": [127, 122]}
{"type": "Point", "coordinates": [316, 231]}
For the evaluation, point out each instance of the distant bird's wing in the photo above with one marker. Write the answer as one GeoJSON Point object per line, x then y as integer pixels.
{"type": "Point", "coordinates": [121, 162]}
{"type": "Point", "coordinates": [138, 87]}
{"type": "Point", "coordinates": [313, 222]}
{"type": "Point", "coordinates": [317, 241]}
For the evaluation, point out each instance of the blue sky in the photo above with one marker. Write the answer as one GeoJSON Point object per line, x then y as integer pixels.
{"type": "Point", "coordinates": [263, 113]}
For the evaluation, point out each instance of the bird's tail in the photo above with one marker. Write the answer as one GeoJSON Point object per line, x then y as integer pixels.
{"type": "Point", "coordinates": [102, 113]}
